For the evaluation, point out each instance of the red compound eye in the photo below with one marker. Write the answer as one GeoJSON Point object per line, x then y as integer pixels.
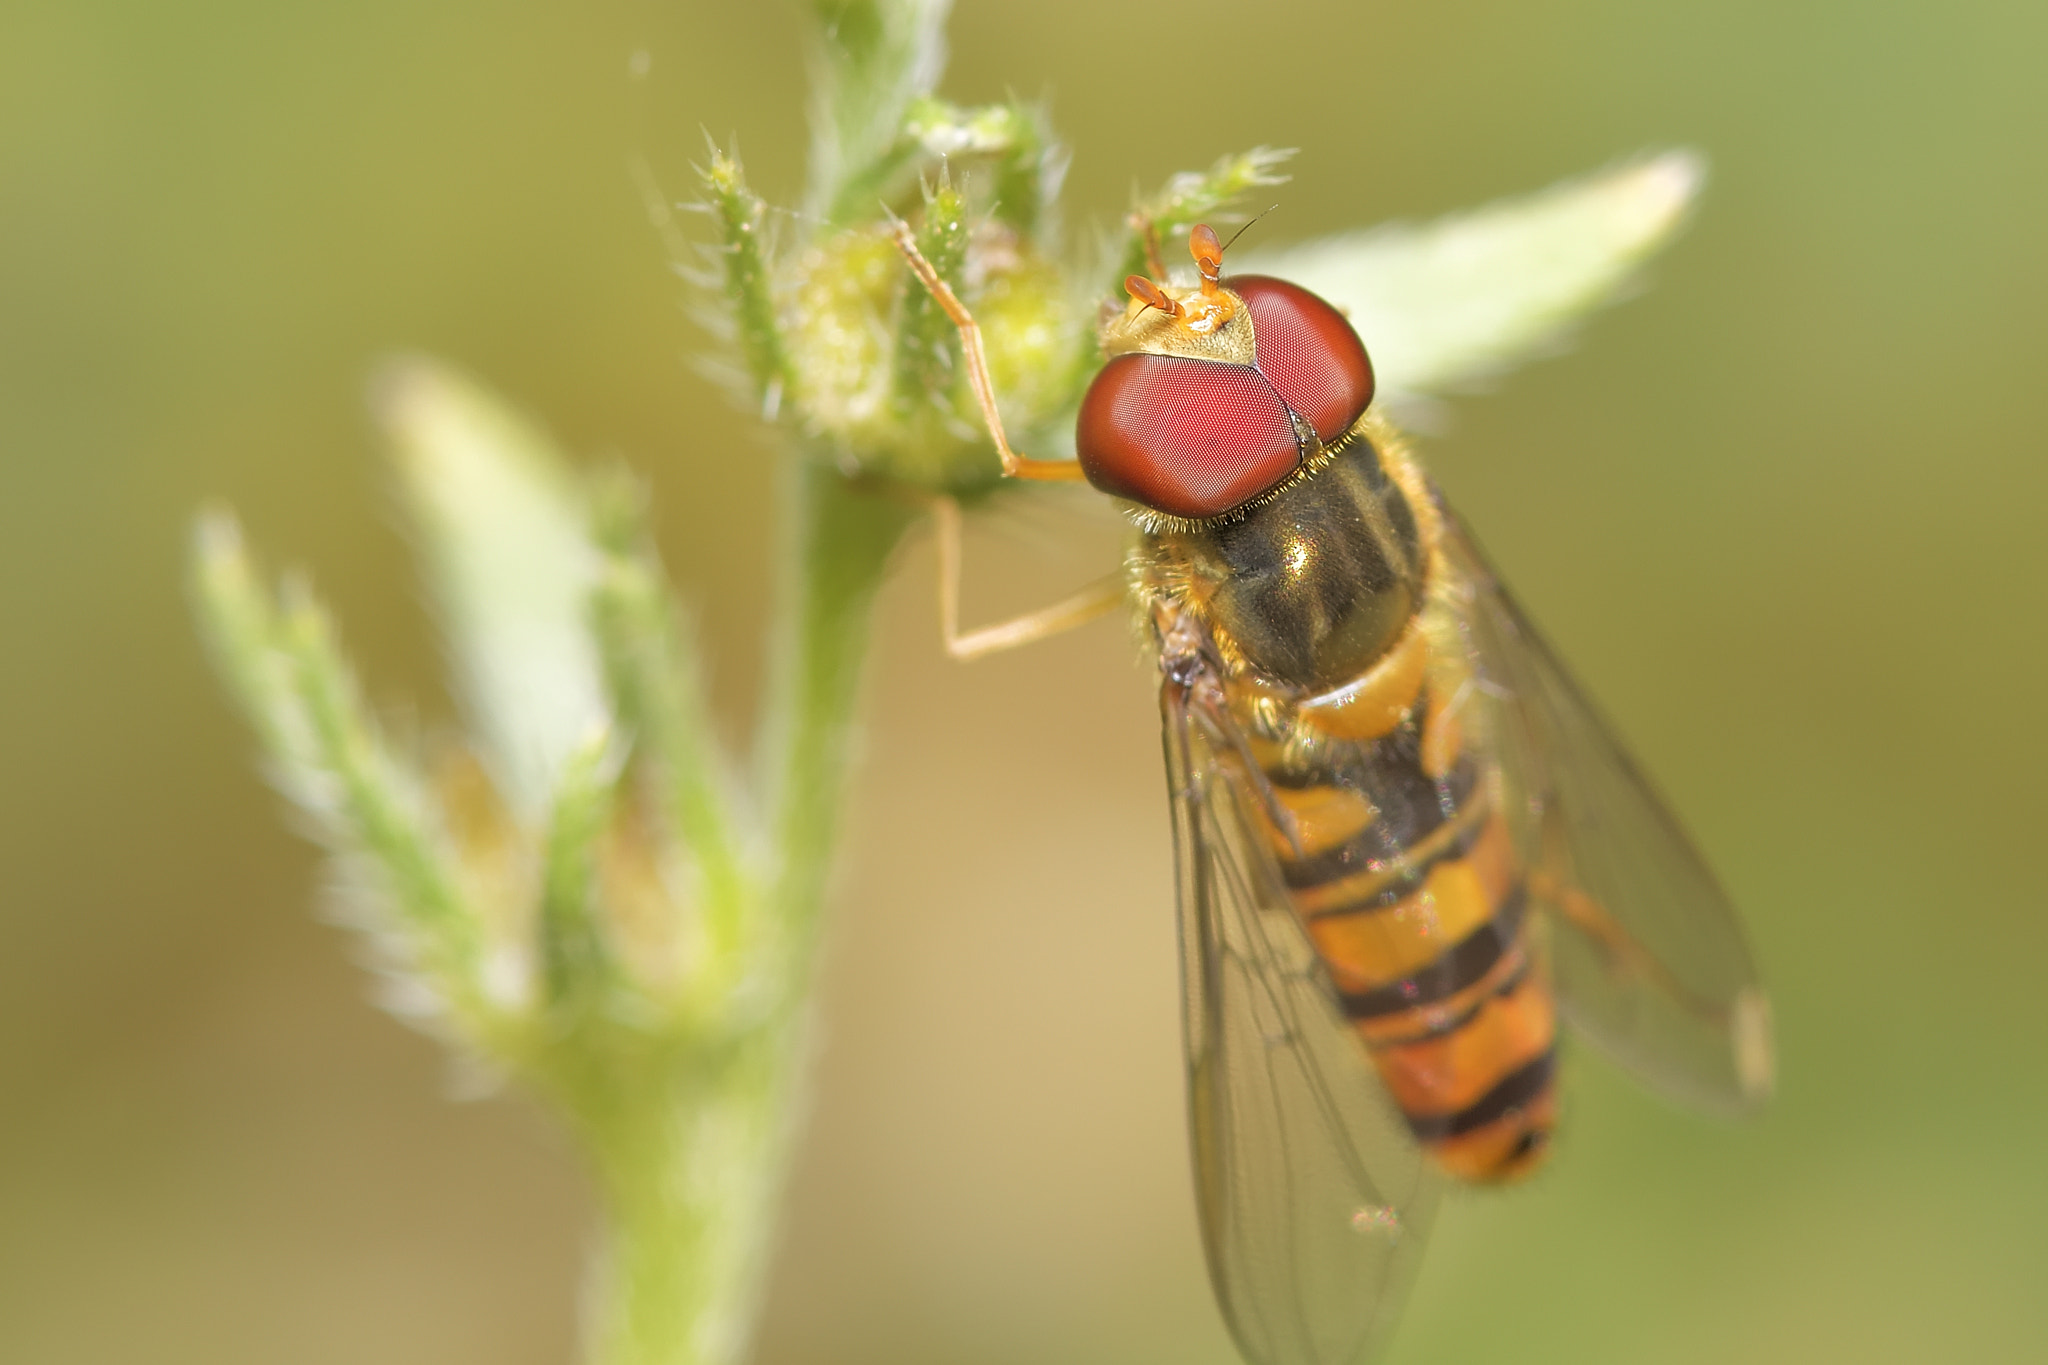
{"type": "Point", "coordinates": [1309, 352]}
{"type": "Point", "coordinates": [1193, 438]}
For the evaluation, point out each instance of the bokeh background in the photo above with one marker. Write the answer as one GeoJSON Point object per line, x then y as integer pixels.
{"type": "Point", "coordinates": [1783, 510]}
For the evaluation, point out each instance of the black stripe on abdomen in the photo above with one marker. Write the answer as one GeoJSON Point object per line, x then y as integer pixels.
{"type": "Point", "coordinates": [1444, 1028]}
{"type": "Point", "coordinates": [1399, 882]}
{"type": "Point", "coordinates": [1462, 966]}
{"type": "Point", "coordinates": [1516, 1090]}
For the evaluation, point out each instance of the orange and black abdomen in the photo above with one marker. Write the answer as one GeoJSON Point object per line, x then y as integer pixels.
{"type": "Point", "coordinates": [1412, 894]}
{"type": "Point", "coordinates": [1320, 600]}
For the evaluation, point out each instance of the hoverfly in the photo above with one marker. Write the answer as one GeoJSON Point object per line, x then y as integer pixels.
{"type": "Point", "coordinates": [1406, 841]}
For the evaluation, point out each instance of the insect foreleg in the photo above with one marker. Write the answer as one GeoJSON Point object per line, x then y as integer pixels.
{"type": "Point", "coordinates": [1014, 465]}
{"type": "Point", "coordinates": [1097, 599]}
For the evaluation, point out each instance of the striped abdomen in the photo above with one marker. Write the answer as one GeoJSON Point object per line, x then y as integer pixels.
{"type": "Point", "coordinates": [1412, 894]}
{"type": "Point", "coordinates": [1320, 603]}
{"type": "Point", "coordinates": [1416, 903]}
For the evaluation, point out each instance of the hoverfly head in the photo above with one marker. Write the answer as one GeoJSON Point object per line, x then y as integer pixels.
{"type": "Point", "coordinates": [1214, 395]}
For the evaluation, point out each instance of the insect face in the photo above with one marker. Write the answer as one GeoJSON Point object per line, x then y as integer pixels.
{"type": "Point", "coordinates": [1216, 395]}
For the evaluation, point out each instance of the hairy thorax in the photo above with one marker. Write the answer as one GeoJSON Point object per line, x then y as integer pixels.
{"type": "Point", "coordinates": [1308, 590]}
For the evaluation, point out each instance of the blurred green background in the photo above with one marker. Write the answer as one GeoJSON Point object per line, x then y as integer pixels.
{"type": "Point", "coordinates": [1783, 511]}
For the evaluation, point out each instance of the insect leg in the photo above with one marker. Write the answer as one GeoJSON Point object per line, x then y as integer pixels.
{"type": "Point", "coordinates": [1746, 1017]}
{"type": "Point", "coordinates": [1014, 465]}
{"type": "Point", "coordinates": [1182, 659]}
{"type": "Point", "coordinates": [1097, 599]}
{"type": "Point", "coordinates": [1586, 914]}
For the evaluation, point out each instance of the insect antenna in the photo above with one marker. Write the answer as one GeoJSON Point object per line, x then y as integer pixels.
{"type": "Point", "coordinates": [1247, 226]}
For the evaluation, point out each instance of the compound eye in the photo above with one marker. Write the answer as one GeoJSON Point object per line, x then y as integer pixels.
{"type": "Point", "coordinates": [1193, 438]}
{"type": "Point", "coordinates": [1309, 352]}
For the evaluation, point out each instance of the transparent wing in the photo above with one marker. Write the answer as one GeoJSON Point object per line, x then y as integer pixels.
{"type": "Point", "coordinates": [1647, 954]}
{"type": "Point", "coordinates": [1315, 1201]}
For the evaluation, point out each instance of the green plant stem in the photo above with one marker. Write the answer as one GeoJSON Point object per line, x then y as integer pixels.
{"type": "Point", "coordinates": [689, 1149]}
{"type": "Point", "coordinates": [690, 1142]}
{"type": "Point", "coordinates": [839, 539]}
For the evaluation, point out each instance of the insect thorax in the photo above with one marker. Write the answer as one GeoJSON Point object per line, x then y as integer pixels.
{"type": "Point", "coordinates": [1313, 584]}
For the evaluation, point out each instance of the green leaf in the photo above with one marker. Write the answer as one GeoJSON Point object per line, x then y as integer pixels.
{"type": "Point", "coordinates": [240, 623]}
{"type": "Point", "coordinates": [1013, 139]}
{"type": "Point", "coordinates": [926, 343]}
{"type": "Point", "coordinates": [1161, 223]}
{"type": "Point", "coordinates": [575, 959]}
{"type": "Point", "coordinates": [504, 534]}
{"type": "Point", "coordinates": [653, 666]}
{"type": "Point", "coordinates": [871, 60]}
{"type": "Point", "coordinates": [375, 808]}
{"type": "Point", "coordinates": [1443, 305]}
{"type": "Point", "coordinates": [1008, 149]}
{"type": "Point", "coordinates": [368, 803]}
{"type": "Point", "coordinates": [745, 271]}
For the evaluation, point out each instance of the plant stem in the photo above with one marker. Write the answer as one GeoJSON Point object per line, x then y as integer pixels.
{"type": "Point", "coordinates": [690, 1142]}
{"type": "Point", "coordinates": [687, 1160]}
{"type": "Point", "coordinates": [838, 539]}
